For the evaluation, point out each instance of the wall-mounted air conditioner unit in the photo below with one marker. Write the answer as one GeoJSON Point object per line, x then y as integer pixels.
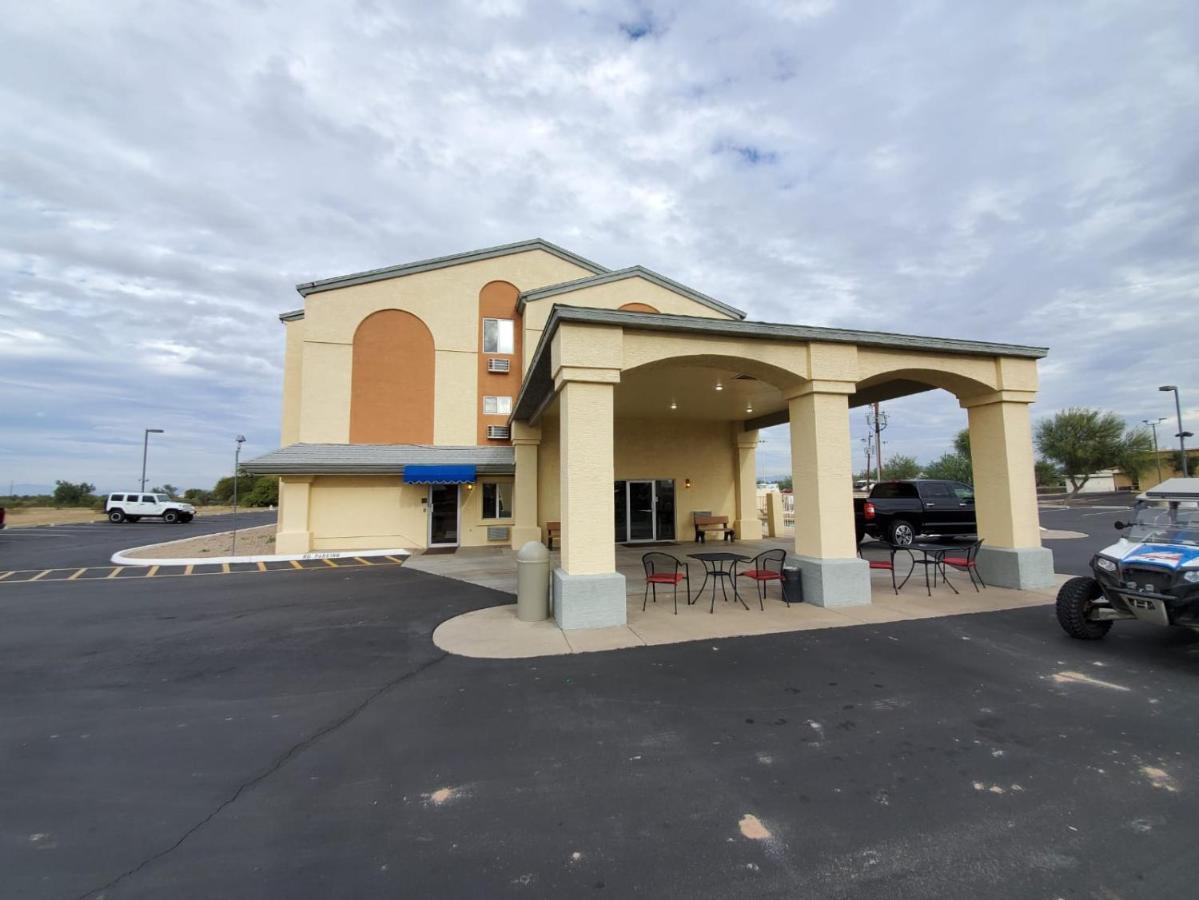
{"type": "Point", "coordinates": [498, 365]}
{"type": "Point", "coordinates": [497, 432]}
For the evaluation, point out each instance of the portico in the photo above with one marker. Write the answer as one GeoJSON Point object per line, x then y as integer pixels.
{"type": "Point", "coordinates": [616, 395]}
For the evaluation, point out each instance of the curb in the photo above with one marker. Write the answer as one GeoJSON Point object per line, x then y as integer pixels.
{"type": "Point", "coordinates": [120, 559]}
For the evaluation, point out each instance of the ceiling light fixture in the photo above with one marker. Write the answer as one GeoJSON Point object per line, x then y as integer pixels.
{"type": "Point", "coordinates": [673, 405]}
{"type": "Point", "coordinates": [719, 386]}
{"type": "Point", "coordinates": [749, 407]}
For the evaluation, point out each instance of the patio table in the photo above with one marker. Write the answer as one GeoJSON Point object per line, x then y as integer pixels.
{"type": "Point", "coordinates": [932, 555]}
{"type": "Point", "coordinates": [718, 567]}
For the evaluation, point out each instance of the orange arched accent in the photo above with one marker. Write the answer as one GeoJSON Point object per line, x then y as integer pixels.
{"type": "Point", "coordinates": [638, 307]}
{"type": "Point", "coordinates": [391, 388]}
{"type": "Point", "coordinates": [498, 300]}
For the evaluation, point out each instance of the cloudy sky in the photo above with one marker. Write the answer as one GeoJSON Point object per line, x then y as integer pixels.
{"type": "Point", "coordinates": [1023, 172]}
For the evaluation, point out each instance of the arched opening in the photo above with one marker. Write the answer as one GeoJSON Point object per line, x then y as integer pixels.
{"type": "Point", "coordinates": [392, 381]}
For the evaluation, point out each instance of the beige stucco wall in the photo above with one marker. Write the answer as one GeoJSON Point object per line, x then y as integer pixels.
{"type": "Point", "coordinates": [447, 301]}
{"type": "Point", "coordinates": [701, 451]}
{"type": "Point", "coordinates": [611, 296]}
{"type": "Point", "coordinates": [293, 359]}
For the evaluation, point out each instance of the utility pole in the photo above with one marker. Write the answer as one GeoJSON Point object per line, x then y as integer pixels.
{"type": "Point", "coordinates": [145, 448]}
{"type": "Point", "coordinates": [877, 420]}
{"type": "Point", "coordinates": [1182, 433]}
{"type": "Point", "coordinates": [238, 441]}
{"type": "Point", "coordinates": [1156, 457]}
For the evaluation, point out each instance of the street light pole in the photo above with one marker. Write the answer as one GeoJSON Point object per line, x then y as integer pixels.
{"type": "Point", "coordinates": [1182, 441]}
{"type": "Point", "coordinates": [238, 441]}
{"type": "Point", "coordinates": [145, 449]}
{"type": "Point", "coordinates": [1156, 454]}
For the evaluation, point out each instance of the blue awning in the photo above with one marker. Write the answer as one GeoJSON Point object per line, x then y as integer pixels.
{"type": "Point", "coordinates": [439, 474]}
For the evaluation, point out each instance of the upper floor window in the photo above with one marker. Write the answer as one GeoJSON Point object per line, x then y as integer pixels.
{"type": "Point", "coordinates": [498, 336]}
{"type": "Point", "coordinates": [497, 406]}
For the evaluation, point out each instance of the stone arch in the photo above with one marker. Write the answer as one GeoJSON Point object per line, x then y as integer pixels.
{"type": "Point", "coordinates": [778, 365]}
{"type": "Point", "coordinates": [638, 307]}
{"type": "Point", "coordinates": [392, 380]}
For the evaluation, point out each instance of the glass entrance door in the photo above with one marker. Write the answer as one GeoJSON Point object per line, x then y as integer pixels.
{"type": "Point", "coordinates": [443, 515]}
{"type": "Point", "coordinates": [641, 511]}
{"type": "Point", "coordinates": [644, 510]}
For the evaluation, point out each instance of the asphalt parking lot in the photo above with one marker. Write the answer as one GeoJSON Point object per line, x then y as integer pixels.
{"type": "Point", "coordinates": [93, 544]}
{"type": "Point", "coordinates": [301, 736]}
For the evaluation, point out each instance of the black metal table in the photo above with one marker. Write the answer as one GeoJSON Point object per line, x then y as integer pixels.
{"type": "Point", "coordinates": [932, 556]}
{"type": "Point", "coordinates": [718, 567]}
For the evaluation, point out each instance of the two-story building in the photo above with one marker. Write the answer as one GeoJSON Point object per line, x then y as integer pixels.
{"type": "Point", "coordinates": [472, 399]}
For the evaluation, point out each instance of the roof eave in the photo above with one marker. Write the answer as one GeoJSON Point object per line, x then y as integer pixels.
{"type": "Point", "coordinates": [579, 284]}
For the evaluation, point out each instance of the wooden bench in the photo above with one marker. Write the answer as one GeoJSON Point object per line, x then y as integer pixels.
{"type": "Point", "coordinates": [552, 530]}
{"type": "Point", "coordinates": [717, 524]}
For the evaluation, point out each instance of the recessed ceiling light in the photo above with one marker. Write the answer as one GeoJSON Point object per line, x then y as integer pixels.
{"type": "Point", "coordinates": [719, 386]}
{"type": "Point", "coordinates": [749, 408]}
{"type": "Point", "coordinates": [673, 405]}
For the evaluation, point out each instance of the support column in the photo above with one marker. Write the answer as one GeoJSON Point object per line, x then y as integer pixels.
{"type": "Point", "coordinates": [822, 480]}
{"type": "Point", "coordinates": [747, 525]}
{"type": "Point", "coordinates": [525, 527]}
{"type": "Point", "coordinates": [293, 534]}
{"type": "Point", "coordinates": [775, 520]}
{"type": "Point", "coordinates": [588, 591]}
{"type": "Point", "coordinates": [1005, 491]}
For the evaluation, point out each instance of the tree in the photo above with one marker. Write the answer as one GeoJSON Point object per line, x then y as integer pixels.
{"type": "Point", "coordinates": [1136, 455]}
{"type": "Point", "coordinates": [961, 444]}
{"type": "Point", "coordinates": [951, 467]}
{"type": "Point", "coordinates": [197, 495]}
{"type": "Point", "coordinates": [68, 494]}
{"type": "Point", "coordinates": [1083, 441]}
{"type": "Point", "coordinates": [784, 483]}
{"type": "Point", "coordinates": [264, 493]}
{"type": "Point", "coordinates": [169, 489]}
{"type": "Point", "coordinates": [222, 491]}
{"type": "Point", "coordinates": [1047, 473]}
{"type": "Point", "coordinates": [900, 467]}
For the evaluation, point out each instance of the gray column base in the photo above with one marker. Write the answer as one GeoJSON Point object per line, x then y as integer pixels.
{"type": "Point", "coordinates": [834, 582]}
{"type": "Point", "coordinates": [1022, 568]}
{"type": "Point", "coordinates": [589, 601]}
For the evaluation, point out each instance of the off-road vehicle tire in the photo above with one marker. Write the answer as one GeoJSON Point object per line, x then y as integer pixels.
{"type": "Point", "coordinates": [901, 533]}
{"type": "Point", "coordinates": [170, 516]}
{"type": "Point", "coordinates": [186, 517]}
{"type": "Point", "coordinates": [1075, 599]}
{"type": "Point", "coordinates": [116, 516]}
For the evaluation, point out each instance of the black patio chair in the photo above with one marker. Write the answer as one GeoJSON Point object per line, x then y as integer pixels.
{"type": "Point", "coordinates": [662, 568]}
{"type": "Point", "coordinates": [763, 569]}
{"type": "Point", "coordinates": [968, 563]}
{"type": "Point", "coordinates": [888, 564]}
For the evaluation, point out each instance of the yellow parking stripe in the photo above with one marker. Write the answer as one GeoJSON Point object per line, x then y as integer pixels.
{"type": "Point", "coordinates": [5, 575]}
{"type": "Point", "coordinates": [261, 566]}
{"type": "Point", "coordinates": [115, 572]}
{"type": "Point", "coordinates": [329, 562]}
{"type": "Point", "coordinates": [363, 561]}
{"type": "Point", "coordinates": [396, 559]}
{"type": "Point", "coordinates": [187, 570]}
{"type": "Point", "coordinates": [41, 574]}
{"type": "Point", "coordinates": [295, 564]}
{"type": "Point", "coordinates": [225, 568]}
{"type": "Point", "coordinates": [78, 572]}
{"type": "Point", "coordinates": [153, 571]}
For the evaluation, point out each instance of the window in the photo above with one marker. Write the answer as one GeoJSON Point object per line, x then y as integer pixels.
{"type": "Point", "coordinates": [892, 490]}
{"type": "Point", "coordinates": [498, 336]}
{"type": "Point", "coordinates": [147, 498]}
{"type": "Point", "coordinates": [964, 492]}
{"type": "Point", "coordinates": [935, 490]}
{"type": "Point", "coordinates": [117, 498]}
{"type": "Point", "coordinates": [497, 500]}
{"type": "Point", "coordinates": [497, 406]}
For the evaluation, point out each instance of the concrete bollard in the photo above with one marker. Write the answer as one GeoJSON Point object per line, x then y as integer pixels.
{"type": "Point", "coordinates": [532, 582]}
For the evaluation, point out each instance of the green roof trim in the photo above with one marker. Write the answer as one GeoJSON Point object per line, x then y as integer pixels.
{"type": "Point", "coordinates": [443, 262]}
{"type": "Point", "coordinates": [578, 284]}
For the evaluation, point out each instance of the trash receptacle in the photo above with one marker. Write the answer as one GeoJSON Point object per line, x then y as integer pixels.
{"type": "Point", "coordinates": [532, 582]}
{"type": "Point", "coordinates": [792, 584]}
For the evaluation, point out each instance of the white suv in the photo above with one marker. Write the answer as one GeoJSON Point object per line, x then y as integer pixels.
{"type": "Point", "coordinates": [127, 507]}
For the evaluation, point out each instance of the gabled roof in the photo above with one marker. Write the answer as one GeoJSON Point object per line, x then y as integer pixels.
{"type": "Point", "coordinates": [578, 284]}
{"type": "Point", "coordinates": [367, 459]}
{"type": "Point", "coordinates": [442, 262]}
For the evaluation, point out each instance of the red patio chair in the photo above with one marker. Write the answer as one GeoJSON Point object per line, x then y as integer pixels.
{"type": "Point", "coordinates": [662, 568]}
{"type": "Point", "coordinates": [888, 564]}
{"type": "Point", "coordinates": [969, 563]}
{"type": "Point", "coordinates": [765, 568]}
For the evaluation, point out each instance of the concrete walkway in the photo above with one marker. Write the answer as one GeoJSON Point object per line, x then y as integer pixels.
{"type": "Point", "coordinates": [496, 633]}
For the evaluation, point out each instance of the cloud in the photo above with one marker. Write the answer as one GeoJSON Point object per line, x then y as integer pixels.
{"type": "Point", "coordinates": [1025, 173]}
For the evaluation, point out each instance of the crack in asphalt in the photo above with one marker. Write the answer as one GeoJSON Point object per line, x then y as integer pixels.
{"type": "Point", "coordinates": [279, 762]}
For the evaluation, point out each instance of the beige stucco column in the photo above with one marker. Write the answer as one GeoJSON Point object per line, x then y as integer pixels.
{"type": "Point", "coordinates": [1005, 491]}
{"type": "Point", "coordinates": [775, 520]}
{"type": "Point", "coordinates": [525, 527]}
{"type": "Point", "coordinates": [747, 525]}
{"type": "Point", "coordinates": [822, 481]}
{"type": "Point", "coordinates": [588, 591]}
{"type": "Point", "coordinates": [293, 534]}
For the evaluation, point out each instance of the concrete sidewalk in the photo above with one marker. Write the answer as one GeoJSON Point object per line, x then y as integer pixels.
{"type": "Point", "coordinates": [496, 633]}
